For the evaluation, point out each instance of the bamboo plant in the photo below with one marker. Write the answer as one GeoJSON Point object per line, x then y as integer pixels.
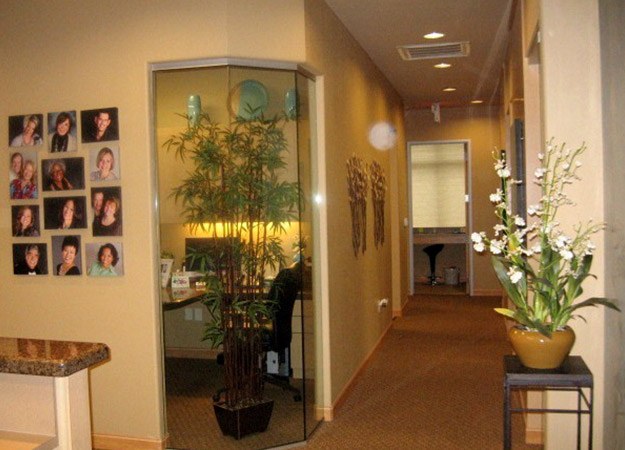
{"type": "Point", "coordinates": [236, 193]}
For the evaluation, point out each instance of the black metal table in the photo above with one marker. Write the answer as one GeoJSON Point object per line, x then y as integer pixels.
{"type": "Point", "coordinates": [573, 375]}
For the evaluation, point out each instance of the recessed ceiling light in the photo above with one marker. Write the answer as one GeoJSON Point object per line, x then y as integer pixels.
{"type": "Point", "coordinates": [449, 89]}
{"type": "Point", "coordinates": [477, 102]}
{"type": "Point", "coordinates": [442, 65]}
{"type": "Point", "coordinates": [434, 35]}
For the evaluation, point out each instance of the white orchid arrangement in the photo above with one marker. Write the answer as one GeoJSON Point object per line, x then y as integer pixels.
{"type": "Point", "coordinates": [540, 267]}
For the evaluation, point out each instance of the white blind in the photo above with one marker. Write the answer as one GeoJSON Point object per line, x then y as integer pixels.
{"type": "Point", "coordinates": [438, 185]}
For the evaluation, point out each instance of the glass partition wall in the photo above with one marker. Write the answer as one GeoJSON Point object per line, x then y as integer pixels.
{"type": "Point", "coordinates": [193, 373]}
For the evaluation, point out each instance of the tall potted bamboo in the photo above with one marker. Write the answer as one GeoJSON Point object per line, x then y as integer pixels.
{"type": "Point", "coordinates": [236, 193]}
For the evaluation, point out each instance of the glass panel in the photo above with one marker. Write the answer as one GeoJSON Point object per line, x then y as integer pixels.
{"type": "Point", "coordinates": [192, 374]}
{"type": "Point", "coordinates": [305, 109]}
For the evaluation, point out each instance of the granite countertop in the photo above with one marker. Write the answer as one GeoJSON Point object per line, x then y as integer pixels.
{"type": "Point", "coordinates": [49, 358]}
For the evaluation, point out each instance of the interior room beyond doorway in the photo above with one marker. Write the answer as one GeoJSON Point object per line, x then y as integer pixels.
{"type": "Point", "coordinates": [439, 214]}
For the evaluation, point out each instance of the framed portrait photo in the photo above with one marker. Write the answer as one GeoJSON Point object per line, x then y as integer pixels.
{"type": "Point", "coordinates": [65, 213]}
{"type": "Point", "coordinates": [166, 265]}
{"type": "Point", "coordinates": [62, 129]}
{"type": "Point", "coordinates": [25, 220]}
{"type": "Point", "coordinates": [30, 259]}
{"type": "Point", "coordinates": [63, 174]}
{"type": "Point", "coordinates": [99, 125]}
{"type": "Point", "coordinates": [107, 211]}
{"type": "Point", "coordinates": [26, 130]}
{"type": "Point", "coordinates": [104, 163]}
{"type": "Point", "coordinates": [23, 178]}
{"type": "Point", "coordinates": [66, 255]}
{"type": "Point", "coordinates": [104, 259]}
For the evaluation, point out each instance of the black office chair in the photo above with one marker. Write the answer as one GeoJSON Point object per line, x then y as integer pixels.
{"type": "Point", "coordinates": [277, 339]}
{"type": "Point", "coordinates": [432, 251]}
{"type": "Point", "coordinates": [284, 290]}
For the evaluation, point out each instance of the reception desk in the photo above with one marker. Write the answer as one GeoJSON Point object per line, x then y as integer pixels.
{"type": "Point", "coordinates": [44, 393]}
{"type": "Point", "coordinates": [180, 297]}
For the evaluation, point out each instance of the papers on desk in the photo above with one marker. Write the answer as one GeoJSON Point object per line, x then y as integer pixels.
{"type": "Point", "coordinates": [179, 293]}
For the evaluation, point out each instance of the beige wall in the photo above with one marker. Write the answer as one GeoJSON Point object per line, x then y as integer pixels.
{"type": "Point", "coordinates": [356, 96]}
{"type": "Point", "coordinates": [69, 55]}
{"type": "Point", "coordinates": [612, 17]}
{"type": "Point", "coordinates": [94, 54]}
{"type": "Point", "coordinates": [479, 125]}
{"type": "Point", "coordinates": [572, 112]}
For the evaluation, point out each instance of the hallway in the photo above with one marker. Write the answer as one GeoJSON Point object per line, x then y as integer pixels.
{"type": "Point", "coordinates": [434, 383]}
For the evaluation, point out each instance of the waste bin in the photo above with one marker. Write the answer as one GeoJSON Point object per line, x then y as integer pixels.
{"type": "Point", "coordinates": [452, 274]}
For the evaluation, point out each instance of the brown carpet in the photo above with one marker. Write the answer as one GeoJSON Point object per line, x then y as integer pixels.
{"type": "Point", "coordinates": [436, 383]}
{"type": "Point", "coordinates": [191, 422]}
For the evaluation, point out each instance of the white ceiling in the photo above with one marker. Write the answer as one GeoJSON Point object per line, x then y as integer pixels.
{"type": "Point", "coordinates": [382, 25]}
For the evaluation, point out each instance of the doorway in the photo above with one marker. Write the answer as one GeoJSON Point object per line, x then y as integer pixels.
{"type": "Point", "coordinates": [439, 194]}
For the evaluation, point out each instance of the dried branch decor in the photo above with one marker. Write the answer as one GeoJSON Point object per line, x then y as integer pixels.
{"type": "Point", "coordinates": [357, 181]}
{"type": "Point", "coordinates": [378, 192]}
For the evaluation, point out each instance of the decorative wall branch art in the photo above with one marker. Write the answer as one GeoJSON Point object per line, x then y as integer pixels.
{"type": "Point", "coordinates": [357, 183]}
{"type": "Point", "coordinates": [378, 193]}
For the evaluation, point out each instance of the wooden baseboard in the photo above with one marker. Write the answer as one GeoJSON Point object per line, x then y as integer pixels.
{"type": "Point", "coordinates": [344, 394]}
{"type": "Point", "coordinates": [10, 440]}
{"type": "Point", "coordinates": [193, 353]}
{"type": "Point", "coordinates": [534, 437]}
{"type": "Point", "coordinates": [108, 442]}
{"type": "Point", "coordinates": [400, 312]}
{"type": "Point", "coordinates": [487, 292]}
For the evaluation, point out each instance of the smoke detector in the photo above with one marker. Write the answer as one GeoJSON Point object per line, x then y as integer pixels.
{"type": "Point", "coordinates": [430, 51]}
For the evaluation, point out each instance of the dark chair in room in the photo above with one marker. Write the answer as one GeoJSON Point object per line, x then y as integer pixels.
{"type": "Point", "coordinates": [432, 251]}
{"type": "Point", "coordinates": [284, 290]}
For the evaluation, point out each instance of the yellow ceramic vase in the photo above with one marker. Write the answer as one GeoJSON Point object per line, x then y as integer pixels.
{"type": "Point", "coordinates": [537, 351]}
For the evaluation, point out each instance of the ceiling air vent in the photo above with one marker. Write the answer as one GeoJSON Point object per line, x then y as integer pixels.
{"type": "Point", "coordinates": [429, 51]}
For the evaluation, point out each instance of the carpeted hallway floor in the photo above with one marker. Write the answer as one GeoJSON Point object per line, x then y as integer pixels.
{"type": "Point", "coordinates": [435, 383]}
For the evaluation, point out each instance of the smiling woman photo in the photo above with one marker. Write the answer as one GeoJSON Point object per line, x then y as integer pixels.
{"type": "Point", "coordinates": [26, 185]}
{"type": "Point", "coordinates": [62, 138]}
{"type": "Point", "coordinates": [105, 163]}
{"type": "Point", "coordinates": [69, 250]}
{"type": "Point", "coordinates": [26, 222]}
{"type": "Point", "coordinates": [107, 260]}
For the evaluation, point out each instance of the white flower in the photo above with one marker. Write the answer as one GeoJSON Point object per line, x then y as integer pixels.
{"type": "Point", "coordinates": [590, 248]}
{"type": "Point", "coordinates": [503, 173]}
{"type": "Point", "coordinates": [479, 247]}
{"type": "Point", "coordinates": [519, 222]}
{"type": "Point", "coordinates": [541, 156]}
{"type": "Point", "coordinates": [514, 274]}
{"type": "Point", "coordinates": [495, 247]}
{"type": "Point", "coordinates": [476, 237]}
{"type": "Point", "coordinates": [538, 173]}
{"type": "Point", "coordinates": [562, 241]}
{"type": "Point", "coordinates": [536, 248]}
{"type": "Point", "coordinates": [496, 197]}
{"type": "Point", "coordinates": [566, 254]}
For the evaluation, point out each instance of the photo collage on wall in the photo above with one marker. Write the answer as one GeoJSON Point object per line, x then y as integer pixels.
{"type": "Point", "coordinates": [65, 193]}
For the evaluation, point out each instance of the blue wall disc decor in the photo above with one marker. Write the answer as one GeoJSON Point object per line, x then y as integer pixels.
{"type": "Point", "coordinates": [248, 99]}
